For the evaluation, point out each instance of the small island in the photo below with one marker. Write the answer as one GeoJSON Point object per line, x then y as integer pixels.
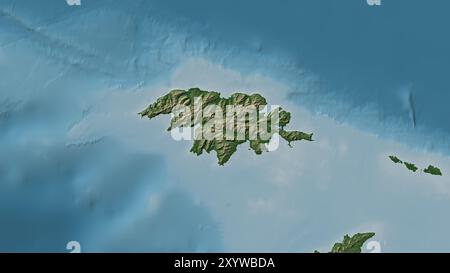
{"type": "Point", "coordinates": [351, 244]}
{"type": "Point", "coordinates": [412, 167]}
{"type": "Point", "coordinates": [433, 170]}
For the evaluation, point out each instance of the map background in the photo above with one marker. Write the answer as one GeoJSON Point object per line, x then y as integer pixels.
{"type": "Point", "coordinates": [77, 163]}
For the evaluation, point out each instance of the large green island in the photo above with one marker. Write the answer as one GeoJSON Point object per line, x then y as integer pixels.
{"type": "Point", "coordinates": [223, 146]}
